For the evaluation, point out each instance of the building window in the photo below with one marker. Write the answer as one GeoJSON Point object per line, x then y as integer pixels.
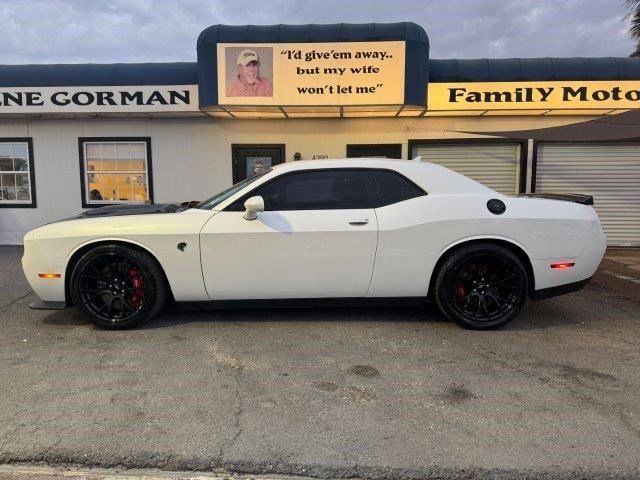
{"type": "Point", "coordinates": [115, 170]}
{"type": "Point", "coordinates": [17, 180]}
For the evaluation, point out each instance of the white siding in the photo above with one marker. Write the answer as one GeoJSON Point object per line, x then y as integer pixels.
{"type": "Point", "coordinates": [186, 158]}
{"type": "Point", "coordinates": [191, 156]}
{"type": "Point", "coordinates": [492, 164]}
{"type": "Point", "coordinates": [609, 172]}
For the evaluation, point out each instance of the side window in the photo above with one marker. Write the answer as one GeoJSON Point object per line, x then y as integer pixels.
{"type": "Point", "coordinates": [17, 186]}
{"type": "Point", "coordinates": [313, 190]}
{"type": "Point", "coordinates": [115, 170]}
{"type": "Point", "coordinates": [388, 187]}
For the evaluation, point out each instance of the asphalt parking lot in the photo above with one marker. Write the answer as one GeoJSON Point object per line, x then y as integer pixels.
{"type": "Point", "coordinates": [371, 393]}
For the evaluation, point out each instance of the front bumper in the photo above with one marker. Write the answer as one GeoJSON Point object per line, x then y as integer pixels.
{"type": "Point", "coordinates": [38, 259]}
{"type": "Point", "coordinates": [43, 305]}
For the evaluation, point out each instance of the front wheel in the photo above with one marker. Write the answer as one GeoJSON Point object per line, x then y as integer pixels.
{"type": "Point", "coordinates": [481, 286]}
{"type": "Point", "coordinates": [118, 287]}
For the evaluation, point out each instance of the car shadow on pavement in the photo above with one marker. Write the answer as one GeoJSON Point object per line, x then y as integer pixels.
{"type": "Point", "coordinates": [174, 317]}
{"type": "Point", "coordinates": [536, 316]}
{"type": "Point", "coordinates": [541, 315]}
{"type": "Point", "coordinates": [552, 313]}
{"type": "Point", "coordinates": [68, 317]}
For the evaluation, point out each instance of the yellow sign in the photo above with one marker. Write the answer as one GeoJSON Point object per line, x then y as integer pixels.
{"type": "Point", "coordinates": [574, 95]}
{"type": "Point", "coordinates": [315, 74]}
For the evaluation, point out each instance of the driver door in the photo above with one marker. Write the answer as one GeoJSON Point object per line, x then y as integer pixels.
{"type": "Point", "coordinates": [316, 238]}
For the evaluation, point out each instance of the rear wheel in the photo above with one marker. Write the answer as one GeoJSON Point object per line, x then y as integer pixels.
{"type": "Point", "coordinates": [481, 286]}
{"type": "Point", "coordinates": [118, 287]}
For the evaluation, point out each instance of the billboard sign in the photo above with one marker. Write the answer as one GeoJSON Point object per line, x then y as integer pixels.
{"type": "Point", "coordinates": [300, 74]}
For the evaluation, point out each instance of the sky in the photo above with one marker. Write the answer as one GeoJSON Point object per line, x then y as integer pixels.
{"type": "Point", "coordinates": [105, 31]}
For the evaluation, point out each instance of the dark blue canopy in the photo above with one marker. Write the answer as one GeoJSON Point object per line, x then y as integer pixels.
{"type": "Point", "coordinates": [314, 33]}
{"type": "Point", "coordinates": [91, 74]}
{"type": "Point", "coordinates": [534, 69]}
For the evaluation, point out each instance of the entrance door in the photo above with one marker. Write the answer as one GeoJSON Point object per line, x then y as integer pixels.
{"type": "Point", "coordinates": [386, 150]}
{"type": "Point", "coordinates": [251, 160]}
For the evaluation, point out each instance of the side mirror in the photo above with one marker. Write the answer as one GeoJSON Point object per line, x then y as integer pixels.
{"type": "Point", "coordinates": [253, 206]}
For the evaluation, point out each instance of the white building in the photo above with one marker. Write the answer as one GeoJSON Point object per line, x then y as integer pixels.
{"type": "Point", "coordinates": [81, 136]}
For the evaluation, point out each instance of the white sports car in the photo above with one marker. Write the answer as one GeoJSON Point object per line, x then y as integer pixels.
{"type": "Point", "coordinates": [365, 230]}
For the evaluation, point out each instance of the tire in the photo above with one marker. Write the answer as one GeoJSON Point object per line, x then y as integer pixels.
{"type": "Point", "coordinates": [118, 287]}
{"type": "Point", "coordinates": [481, 286]}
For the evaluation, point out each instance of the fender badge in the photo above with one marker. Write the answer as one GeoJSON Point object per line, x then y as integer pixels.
{"type": "Point", "coordinates": [182, 246]}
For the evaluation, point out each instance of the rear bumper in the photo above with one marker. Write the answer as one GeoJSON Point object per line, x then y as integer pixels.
{"type": "Point", "coordinates": [586, 265]}
{"type": "Point", "coordinates": [558, 290]}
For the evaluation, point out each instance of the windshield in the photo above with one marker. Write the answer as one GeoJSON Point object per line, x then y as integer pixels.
{"type": "Point", "coordinates": [214, 201]}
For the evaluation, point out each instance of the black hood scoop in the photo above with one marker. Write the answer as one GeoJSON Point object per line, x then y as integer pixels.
{"type": "Point", "coordinates": [119, 210]}
{"type": "Point", "coordinates": [137, 209]}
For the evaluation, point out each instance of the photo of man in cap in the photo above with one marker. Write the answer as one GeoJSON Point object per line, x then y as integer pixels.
{"type": "Point", "coordinates": [249, 82]}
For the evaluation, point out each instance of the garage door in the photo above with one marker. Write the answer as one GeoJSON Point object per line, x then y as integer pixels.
{"type": "Point", "coordinates": [493, 164]}
{"type": "Point", "coordinates": [609, 172]}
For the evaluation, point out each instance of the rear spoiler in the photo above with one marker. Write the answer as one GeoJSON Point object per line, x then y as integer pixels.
{"type": "Point", "coordinates": [567, 197]}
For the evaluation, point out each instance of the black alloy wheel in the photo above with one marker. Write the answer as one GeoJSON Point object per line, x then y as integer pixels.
{"type": "Point", "coordinates": [481, 286]}
{"type": "Point", "coordinates": [118, 287]}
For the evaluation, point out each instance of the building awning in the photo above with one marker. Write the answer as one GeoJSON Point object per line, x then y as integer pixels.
{"type": "Point", "coordinates": [103, 75]}
{"type": "Point", "coordinates": [533, 69]}
{"type": "Point", "coordinates": [623, 126]}
{"type": "Point", "coordinates": [340, 70]}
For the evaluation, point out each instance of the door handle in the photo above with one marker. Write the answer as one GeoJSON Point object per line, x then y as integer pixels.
{"type": "Point", "coordinates": [362, 221]}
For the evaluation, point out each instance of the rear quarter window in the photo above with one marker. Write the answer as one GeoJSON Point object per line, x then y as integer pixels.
{"type": "Point", "coordinates": [387, 187]}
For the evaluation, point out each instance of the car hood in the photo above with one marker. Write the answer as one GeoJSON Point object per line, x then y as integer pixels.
{"type": "Point", "coordinates": [118, 210]}
{"type": "Point", "coordinates": [137, 209]}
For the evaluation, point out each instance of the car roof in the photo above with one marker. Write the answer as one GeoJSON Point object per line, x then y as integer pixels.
{"type": "Point", "coordinates": [433, 178]}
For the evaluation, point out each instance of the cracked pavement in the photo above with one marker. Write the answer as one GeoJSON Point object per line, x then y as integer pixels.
{"type": "Point", "coordinates": [358, 393]}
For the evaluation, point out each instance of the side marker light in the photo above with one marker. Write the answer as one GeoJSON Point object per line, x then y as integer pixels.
{"type": "Point", "coordinates": [562, 266]}
{"type": "Point", "coordinates": [49, 275]}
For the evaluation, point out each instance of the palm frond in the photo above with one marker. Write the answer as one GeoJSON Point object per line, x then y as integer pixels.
{"type": "Point", "coordinates": [634, 23]}
{"type": "Point", "coordinates": [634, 27]}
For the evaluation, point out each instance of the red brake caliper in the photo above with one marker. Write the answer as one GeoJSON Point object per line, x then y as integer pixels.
{"type": "Point", "coordinates": [460, 290]}
{"type": "Point", "coordinates": [136, 282]}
